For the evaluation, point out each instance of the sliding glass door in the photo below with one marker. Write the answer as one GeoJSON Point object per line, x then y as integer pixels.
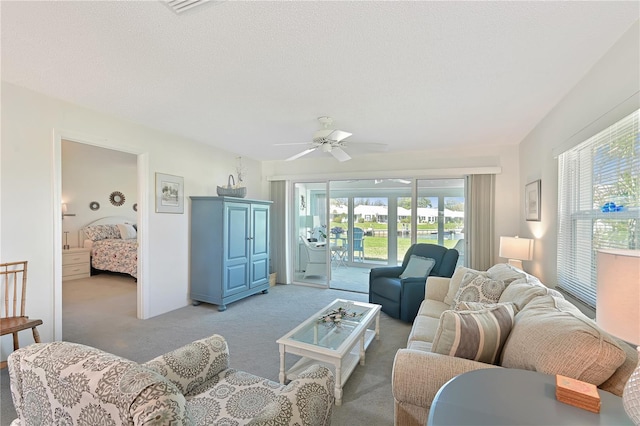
{"type": "Point", "coordinates": [344, 228]}
{"type": "Point", "coordinates": [440, 213]}
{"type": "Point", "coordinates": [309, 248]}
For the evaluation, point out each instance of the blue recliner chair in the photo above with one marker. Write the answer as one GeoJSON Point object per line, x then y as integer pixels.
{"type": "Point", "coordinates": [401, 297]}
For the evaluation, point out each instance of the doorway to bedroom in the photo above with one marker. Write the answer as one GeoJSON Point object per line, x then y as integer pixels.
{"type": "Point", "coordinates": [99, 193]}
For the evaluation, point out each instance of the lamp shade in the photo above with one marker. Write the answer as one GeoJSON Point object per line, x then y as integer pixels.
{"type": "Point", "coordinates": [516, 248]}
{"type": "Point", "coordinates": [618, 311]}
{"type": "Point", "coordinates": [618, 294]}
{"type": "Point", "coordinates": [64, 208]}
{"type": "Point", "coordinates": [306, 221]}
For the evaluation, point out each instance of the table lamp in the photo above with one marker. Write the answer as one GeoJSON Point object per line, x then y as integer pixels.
{"type": "Point", "coordinates": [65, 208]}
{"type": "Point", "coordinates": [306, 222]}
{"type": "Point", "coordinates": [618, 311]}
{"type": "Point", "coordinates": [516, 250]}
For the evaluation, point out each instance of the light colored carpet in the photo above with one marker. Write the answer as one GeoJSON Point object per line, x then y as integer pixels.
{"type": "Point", "coordinates": [100, 312]}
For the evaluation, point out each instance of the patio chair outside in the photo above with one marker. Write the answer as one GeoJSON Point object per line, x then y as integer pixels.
{"type": "Point", "coordinates": [358, 244]}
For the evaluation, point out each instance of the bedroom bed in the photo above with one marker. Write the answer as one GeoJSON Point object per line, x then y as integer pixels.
{"type": "Point", "coordinates": [114, 244]}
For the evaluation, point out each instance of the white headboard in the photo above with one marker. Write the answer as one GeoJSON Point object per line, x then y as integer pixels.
{"type": "Point", "coordinates": [108, 220]}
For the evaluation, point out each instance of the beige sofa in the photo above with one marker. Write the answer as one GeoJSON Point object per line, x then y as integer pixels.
{"type": "Point", "coordinates": [548, 334]}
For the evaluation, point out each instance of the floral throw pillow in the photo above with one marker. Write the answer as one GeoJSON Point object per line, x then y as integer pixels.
{"type": "Point", "coordinates": [102, 232]}
{"type": "Point", "coordinates": [476, 288]}
{"type": "Point", "coordinates": [456, 280]}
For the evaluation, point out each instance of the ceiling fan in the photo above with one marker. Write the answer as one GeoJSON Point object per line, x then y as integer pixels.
{"type": "Point", "coordinates": [331, 141]}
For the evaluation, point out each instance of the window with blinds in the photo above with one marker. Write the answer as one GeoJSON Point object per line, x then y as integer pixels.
{"type": "Point", "coordinates": [598, 203]}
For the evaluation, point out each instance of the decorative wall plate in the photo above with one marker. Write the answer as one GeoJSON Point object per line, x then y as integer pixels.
{"type": "Point", "coordinates": [135, 207]}
{"type": "Point", "coordinates": [94, 205]}
{"type": "Point", "coordinates": [116, 198]}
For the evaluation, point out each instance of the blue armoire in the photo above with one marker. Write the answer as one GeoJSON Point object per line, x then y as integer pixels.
{"type": "Point", "coordinates": [229, 249]}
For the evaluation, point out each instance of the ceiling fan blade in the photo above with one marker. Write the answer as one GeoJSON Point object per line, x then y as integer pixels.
{"type": "Point", "coordinates": [338, 135]}
{"type": "Point", "coordinates": [339, 154]}
{"type": "Point", "coordinates": [305, 152]}
{"type": "Point", "coordinates": [291, 143]}
{"type": "Point", "coordinates": [371, 146]}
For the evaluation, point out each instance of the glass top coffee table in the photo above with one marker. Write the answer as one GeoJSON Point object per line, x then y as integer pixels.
{"type": "Point", "coordinates": [337, 336]}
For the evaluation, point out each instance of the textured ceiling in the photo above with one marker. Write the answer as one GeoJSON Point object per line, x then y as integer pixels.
{"type": "Point", "coordinates": [243, 76]}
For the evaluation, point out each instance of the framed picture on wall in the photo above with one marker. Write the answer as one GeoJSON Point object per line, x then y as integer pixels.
{"type": "Point", "coordinates": [532, 200]}
{"type": "Point", "coordinates": [169, 193]}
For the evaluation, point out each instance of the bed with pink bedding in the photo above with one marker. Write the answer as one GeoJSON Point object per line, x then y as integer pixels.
{"type": "Point", "coordinates": [114, 247]}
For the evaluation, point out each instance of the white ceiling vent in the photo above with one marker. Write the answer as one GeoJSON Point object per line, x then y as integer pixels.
{"type": "Point", "coordinates": [179, 6]}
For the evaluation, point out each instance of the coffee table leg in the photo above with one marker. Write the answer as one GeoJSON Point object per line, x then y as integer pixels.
{"type": "Point", "coordinates": [378, 326]}
{"type": "Point", "coordinates": [362, 350]}
{"type": "Point", "coordinates": [282, 376]}
{"type": "Point", "coordinates": [338, 388]}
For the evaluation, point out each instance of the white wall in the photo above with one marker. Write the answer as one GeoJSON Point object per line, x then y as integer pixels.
{"type": "Point", "coordinates": [442, 163]}
{"type": "Point", "coordinates": [91, 173]}
{"type": "Point", "coordinates": [30, 206]}
{"type": "Point", "coordinates": [608, 92]}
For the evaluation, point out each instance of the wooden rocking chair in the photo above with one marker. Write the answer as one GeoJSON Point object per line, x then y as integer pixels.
{"type": "Point", "coordinates": [13, 282]}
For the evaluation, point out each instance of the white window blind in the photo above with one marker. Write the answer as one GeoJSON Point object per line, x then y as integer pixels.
{"type": "Point", "coordinates": [598, 203]}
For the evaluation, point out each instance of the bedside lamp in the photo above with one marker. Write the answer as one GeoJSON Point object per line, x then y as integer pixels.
{"type": "Point", "coordinates": [516, 250]}
{"type": "Point", "coordinates": [618, 311]}
{"type": "Point", "coordinates": [65, 208]}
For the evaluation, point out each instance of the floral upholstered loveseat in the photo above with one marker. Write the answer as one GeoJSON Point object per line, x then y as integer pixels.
{"type": "Point", "coordinates": [66, 383]}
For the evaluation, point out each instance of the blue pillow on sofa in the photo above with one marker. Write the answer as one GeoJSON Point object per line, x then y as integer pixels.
{"type": "Point", "coordinates": [418, 267]}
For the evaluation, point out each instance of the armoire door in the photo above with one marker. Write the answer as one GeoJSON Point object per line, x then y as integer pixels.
{"type": "Point", "coordinates": [259, 244]}
{"type": "Point", "coordinates": [237, 252]}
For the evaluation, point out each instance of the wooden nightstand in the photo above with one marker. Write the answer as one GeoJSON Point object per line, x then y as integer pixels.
{"type": "Point", "coordinates": [76, 264]}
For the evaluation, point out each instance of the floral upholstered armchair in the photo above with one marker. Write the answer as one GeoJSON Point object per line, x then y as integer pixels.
{"type": "Point", "coordinates": [67, 383]}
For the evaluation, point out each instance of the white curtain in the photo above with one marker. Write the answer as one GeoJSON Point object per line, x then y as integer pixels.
{"type": "Point", "coordinates": [480, 229]}
{"type": "Point", "coordinates": [280, 231]}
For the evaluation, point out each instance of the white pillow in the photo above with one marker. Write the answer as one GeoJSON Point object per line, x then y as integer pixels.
{"type": "Point", "coordinates": [127, 232]}
{"type": "Point", "coordinates": [418, 267]}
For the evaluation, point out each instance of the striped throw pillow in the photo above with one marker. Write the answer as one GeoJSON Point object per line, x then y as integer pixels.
{"type": "Point", "coordinates": [478, 306]}
{"type": "Point", "coordinates": [477, 335]}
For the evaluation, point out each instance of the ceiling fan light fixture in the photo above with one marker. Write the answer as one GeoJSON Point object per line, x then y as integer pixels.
{"type": "Point", "coordinates": [322, 135]}
{"type": "Point", "coordinates": [328, 140]}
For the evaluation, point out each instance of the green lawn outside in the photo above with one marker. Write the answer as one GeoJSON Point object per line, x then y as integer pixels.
{"type": "Point", "coordinates": [383, 226]}
{"type": "Point", "coordinates": [375, 247]}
